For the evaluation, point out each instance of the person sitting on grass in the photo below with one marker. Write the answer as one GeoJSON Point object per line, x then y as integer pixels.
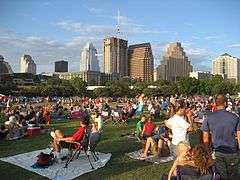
{"type": "Point", "coordinates": [197, 160]}
{"type": "Point", "coordinates": [139, 126]}
{"type": "Point", "coordinates": [3, 132]}
{"type": "Point", "coordinates": [157, 144]}
{"type": "Point", "coordinates": [148, 128]}
{"type": "Point", "coordinates": [61, 141]}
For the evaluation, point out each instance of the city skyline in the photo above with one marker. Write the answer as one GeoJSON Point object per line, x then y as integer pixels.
{"type": "Point", "coordinates": [58, 34]}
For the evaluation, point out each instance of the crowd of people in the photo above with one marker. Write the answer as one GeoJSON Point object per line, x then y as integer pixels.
{"type": "Point", "coordinates": [215, 119]}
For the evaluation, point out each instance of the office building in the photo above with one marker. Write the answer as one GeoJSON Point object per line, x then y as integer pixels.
{"type": "Point", "coordinates": [200, 75]}
{"type": "Point", "coordinates": [175, 63]}
{"type": "Point", "coordinates": [156, 74]}
{"type": "Point", "coordinates": [27, 65]}
{"type": "Point", "coordinates": [61, 66]}
{"type": "Point", "coordinates": [89, 60]}
{"type": "Point", "coordinates": [115, 58]}
{"type": "Point", "coordinates": [227, 66]}
{"type": "Point", "coordinates": [5, 68]}
{"type": "Point", "coordinates": [141, 62]}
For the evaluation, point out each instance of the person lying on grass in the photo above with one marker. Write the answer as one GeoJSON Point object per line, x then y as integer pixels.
{"type": "Point", "coordinates": [60, 141]}
{"type": "Point", "coordinates": [157, 144]}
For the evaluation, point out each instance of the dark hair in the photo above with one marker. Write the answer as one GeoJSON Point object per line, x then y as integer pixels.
{"type": "Point", "coordinates": [85, 120]}
{"type": "Point", "coordinates": [179, 105]}
{"type": "Point", "coordinates": [220, 100]}
{"type": "Point", "coordinates": [2, 127]}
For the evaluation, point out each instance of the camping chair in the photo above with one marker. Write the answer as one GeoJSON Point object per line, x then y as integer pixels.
{"type": "Point", "coordinates": [83, 145]}
{"type": "Point", "coordinates": [92, 148]}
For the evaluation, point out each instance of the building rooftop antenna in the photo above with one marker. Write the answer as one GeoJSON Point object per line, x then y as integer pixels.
{"type": "Point", "coordinates": [118, 24]}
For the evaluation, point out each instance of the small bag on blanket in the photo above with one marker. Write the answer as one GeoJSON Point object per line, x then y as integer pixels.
{"type": "Point", "coordinates": [44, 160]}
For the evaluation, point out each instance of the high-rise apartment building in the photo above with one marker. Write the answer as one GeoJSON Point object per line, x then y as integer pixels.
{"type": "Point", "coordinates": [27, 65]}
{"type": "Point", "coordinates": [61, 66]}
{"type": "Point", "coordinates": [227, 66]}
{"type": "Point", "coordinates": [115, 58]}
{"type": "Point", "coordinates": [141, 62]}
{"type": "Point", "coordinates": [175, 63]}
{"type": "Point", "coordinates": [89, 60]}
{"type": "Point", "coordinates": [5, 68]}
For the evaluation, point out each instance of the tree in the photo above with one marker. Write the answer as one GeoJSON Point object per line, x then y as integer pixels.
{"type": "Point", "coordinates": [79, 86]}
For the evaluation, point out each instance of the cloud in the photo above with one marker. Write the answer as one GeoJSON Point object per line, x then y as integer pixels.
{"type": "Point", "coordinates": [43, 50]}
{"type": "Point", "coordinates": [211, 37]}
{"type": "Point", "coordinates": [200, 57]}
{"type": "Point", "coordinates": [95, 11]}
{"type": "Point", "coordinates": [85, 29]}
{"type": "Point", "coordinates": [237, 45]}
{"type": "Point", "coordinates": [127, 26]}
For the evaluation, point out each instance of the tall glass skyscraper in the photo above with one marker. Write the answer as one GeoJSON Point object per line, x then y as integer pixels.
{"type": "Point", "coordinates": [89, 60]}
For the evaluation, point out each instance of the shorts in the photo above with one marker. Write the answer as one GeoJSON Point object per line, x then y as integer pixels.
{"type": "Point", "coordinates": [228, 165]}
{"type": "Point", "coordinates": [173, 150]}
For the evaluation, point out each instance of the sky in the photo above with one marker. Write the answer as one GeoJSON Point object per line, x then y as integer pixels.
{"type": "Point", "coordinates": [52, 30]}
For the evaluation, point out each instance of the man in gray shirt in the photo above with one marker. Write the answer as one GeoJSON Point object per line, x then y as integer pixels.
{"type": "Point", "coordinates": [224, 129]}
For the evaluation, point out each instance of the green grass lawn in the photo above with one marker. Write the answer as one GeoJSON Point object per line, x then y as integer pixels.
{"type": "Point", "coordinates": [119, 167]}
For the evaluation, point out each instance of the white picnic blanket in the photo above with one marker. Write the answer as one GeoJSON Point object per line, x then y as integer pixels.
{"type": "Point", "coordinates": [76, 168]}
{"type": "Point", "coordinates": [151, 158]}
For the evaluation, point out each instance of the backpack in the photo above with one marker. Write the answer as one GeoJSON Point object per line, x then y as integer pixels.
{"type": "Point", "coordinates": [45, 159]}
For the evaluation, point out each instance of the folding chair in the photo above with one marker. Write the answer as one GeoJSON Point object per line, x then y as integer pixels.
{"type": "Point", "coordinates": [83, 145]}
{"type": "Point", "coordinates": [92, 149]}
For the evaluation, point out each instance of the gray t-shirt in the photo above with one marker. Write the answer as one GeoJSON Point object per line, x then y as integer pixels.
{"type": "Point", "coordinates": [222, 125]}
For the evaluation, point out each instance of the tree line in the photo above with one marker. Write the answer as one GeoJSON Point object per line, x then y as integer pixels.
{"type": "Point", "coordinates": [125, 87]}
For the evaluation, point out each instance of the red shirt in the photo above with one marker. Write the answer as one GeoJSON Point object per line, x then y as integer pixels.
{"type": "Point", "coordinates": [79, 134]}
{"type": "Point", "coordinates": [149, 128]}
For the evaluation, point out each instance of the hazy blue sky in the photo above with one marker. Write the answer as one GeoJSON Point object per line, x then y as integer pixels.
{"type": "Point", "coordinates": [55, 30]}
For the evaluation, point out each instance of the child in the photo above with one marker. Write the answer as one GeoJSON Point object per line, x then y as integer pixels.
{"type": "Point", "coordinates": [139, 126]}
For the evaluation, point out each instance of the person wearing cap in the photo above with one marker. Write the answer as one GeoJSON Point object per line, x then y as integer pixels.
{"type": "Point", "coordinates": [223, 128]}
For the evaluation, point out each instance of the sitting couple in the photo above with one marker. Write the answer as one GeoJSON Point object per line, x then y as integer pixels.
{"type": "Point", "coordinates": [157, 144]}
{"type": "Point", "coordinates": [145, 127]}
{"type": "Point", "coordinates": [61, 141]}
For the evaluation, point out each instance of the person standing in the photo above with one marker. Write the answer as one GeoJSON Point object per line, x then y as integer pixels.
{"type": "Point", "coordinates": [178, 125]}
{"type": "Point", "coordinates": [223, 128]}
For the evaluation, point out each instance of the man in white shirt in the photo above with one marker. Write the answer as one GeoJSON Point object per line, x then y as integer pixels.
{"type": "Point", "coordinates": [179, 127]}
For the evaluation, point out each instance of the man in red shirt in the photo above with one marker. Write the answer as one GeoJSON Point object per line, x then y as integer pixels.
{"type": "Point", "coordinates": [60, 141]}
{"type": "Point", "coordinates": [148, 128]}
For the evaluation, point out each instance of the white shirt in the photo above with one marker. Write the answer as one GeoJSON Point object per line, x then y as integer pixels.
{"type": "Point", "coordinates": [99, 120]}
{"type": "Point", "coordinates": [179, 128]}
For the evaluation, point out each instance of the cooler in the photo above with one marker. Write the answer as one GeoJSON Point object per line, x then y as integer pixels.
{"type": "Point", "coordinates": [31, 131]}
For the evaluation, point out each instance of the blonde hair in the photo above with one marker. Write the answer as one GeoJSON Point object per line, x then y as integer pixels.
{"type": "Point", "coordinates": [182, 147]}
{"type": "Point", "coordinates": [202, 158]}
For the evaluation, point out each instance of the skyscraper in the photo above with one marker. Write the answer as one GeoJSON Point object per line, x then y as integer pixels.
{"type": "Point", "coordinates": [175, 63]}
{"type": "Point", "coordinates": [27, 64]}
{"type": "Point", "coordinates": [89, 60]}
{"type": "Point", "coordinates": [140, 62]}
{"type": "Point", "coordinates": [115, 58]}
{"type": "Point", "coordinates": [227, 66]}
{"type": "Point", "coordinates": [5, 68]}
{"type": "Point", "coordinates": [61, 66]}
